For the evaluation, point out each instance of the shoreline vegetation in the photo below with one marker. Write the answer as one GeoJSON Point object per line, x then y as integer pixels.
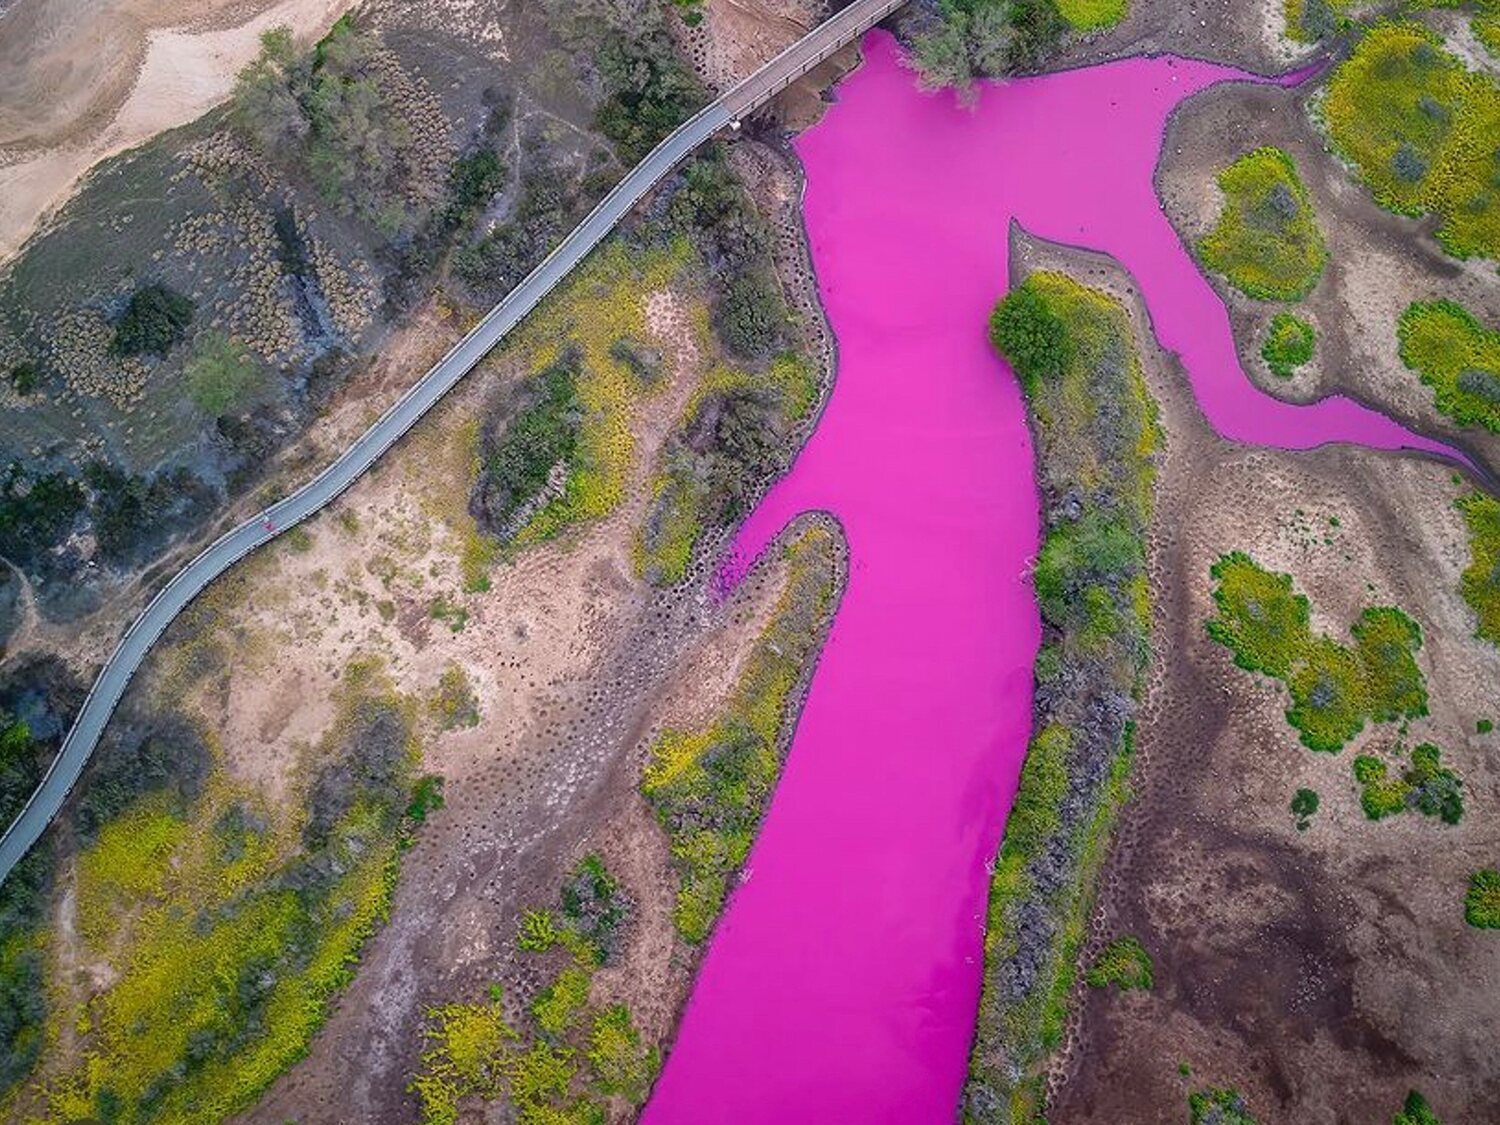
{"type": "Point", "coordinates": [963, 41]}
{"type": "Point", "coordinates": [1097, 435]}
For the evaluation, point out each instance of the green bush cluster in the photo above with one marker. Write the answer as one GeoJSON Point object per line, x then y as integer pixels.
{"type": "Point", "coordinates": [339, 116]}
{"type": "Point", "coordinates": [25, 377]}
{"type": "Point", "coordinates": [572, 1061]}
{"type": "Point", "coordinates": [36, 512]}
{"type": "Point", "coordinates": [155, 318]}
{"type": "Point", "coordinates": [1124, 963]}
{"type": "Point", "coordinates": [23, 910]}
{"type": "Point", "coordinates": [972, 39]}
{"type": "Point", "coordinates": [1420, 129]}
{"type": "Point", "coordinates": [1289, 344]}
{"type": "Point", "coordinates": [1480, 584]}
{"type": "Point", "coordinates": [1096, 434]}
{"type": "Point", "coordinates": [1416, 1111]}
{"type": "Point", "coordinates": [1457, 356]}
{"type": "Point", "coordinates": [517, 461]}
{"type": "Point", "coordinates": [1219, 1106]}
{"type": "Point", "coordinates": [1425, 785]}
{"type": "Point", "coordinates": [1335, 689]}
{"type": "Point", "coordinates": [1309, 21]}
{"type": "Point", "coordinates": [1482, 900]}
{"type": "Point", "coordinates": [1267, 241]}
{"type": "Point", "coordinates": [454, 704]}
{"type": "Point", "coordinates": [1304, 807]}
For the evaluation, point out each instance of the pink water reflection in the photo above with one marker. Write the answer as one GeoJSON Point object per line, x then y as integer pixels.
{"type": "Point", "coordinates": [842, 984]}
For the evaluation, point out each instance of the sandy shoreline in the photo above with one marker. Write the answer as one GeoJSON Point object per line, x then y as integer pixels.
{"type": "Point", "coordinates": [183, 69]}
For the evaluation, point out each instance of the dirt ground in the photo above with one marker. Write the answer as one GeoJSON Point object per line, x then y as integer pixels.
{"type": "Point", "coordinates": [83, 81]}
{"type": "Point", "coordinates": [1323, 973]}
{"type": "Point", "coordinates": [1378, 263]}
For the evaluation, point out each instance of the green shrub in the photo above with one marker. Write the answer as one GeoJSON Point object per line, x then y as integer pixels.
{"type": "Point", "coordinates": [222, 376]}
{"type": "Point", "coordinates": [990, 38]}
{"type": "Point", "coordinates": [1482, 901]}
{"type": "Point", "coordinates": [1289, 344]}
{"type": "Point", "coordinates": [1261, 619]}
{"type": "Point", "coordinates": [1425, 785]}
{"type": "Point", "coordinates": [1124, 963]}
{"type": "Point", "coordinates": [1033, 339]}
{"type": "Point", "coordinates": [426, 798]}
{"type": "Point", "coordinates": [1216, 1106]}
{"type": "Point", "coordinates": [595, 909]}
{"type": "Point", "coordinates": [518, 461]}
{"type": "Point", "coordinates": [1480, 584]}
{"type": "Point", "coordinates": [1416, 1111]}
{"type": "Point", "coordinates": [1420, 129]}
{"type": "Point", "coordinates": [155, 318]}
{"type": "Point", "coordinates": [1267, 241]}
{"type": "Point", "coordinates": [621, 1063]}
{"type": "Point", "coordinates": [1387, 641]}
{"type": "Point", "coordinates": [1304, 807]}
{"type": "Point", "coordinates": [1457, 357]}
{"type": "Point", "coordinates": [1092, 15]}
{"type": "Point", "coordinates": [538, 932]}
{"type": "Point", "coordinates": [1334, 688]}
{"type": "Point", "coordinates": [24, 378]}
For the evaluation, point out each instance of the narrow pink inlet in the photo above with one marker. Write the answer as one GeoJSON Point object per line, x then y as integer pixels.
{"type": "Point", "coordinates": [843, 980]}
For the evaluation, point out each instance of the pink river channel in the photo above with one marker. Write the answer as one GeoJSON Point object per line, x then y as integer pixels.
{"type": "Point", "coordinates": [842, 982]}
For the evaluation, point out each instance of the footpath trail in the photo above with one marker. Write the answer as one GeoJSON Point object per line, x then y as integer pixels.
{"type": "Point", "coordinates": [108, 688]}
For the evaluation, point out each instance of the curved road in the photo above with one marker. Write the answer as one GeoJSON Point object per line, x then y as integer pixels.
{"type": "Point", "coordinates": [754, 91]}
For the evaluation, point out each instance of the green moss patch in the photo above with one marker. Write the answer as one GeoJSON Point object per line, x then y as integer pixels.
{"type": "Point", "coordinates": [1458, 357]}
{"type": "Point", "coordinates": [1289, 344]}
{"type": "Point", "coordinates": [1092, 15]}
{"type": "Point", "coordinates": [1262, 619]}
{"type": "Point", "coordinates": [1420, 129]}
{"type": "Point", "coordinates": [1267, 242]}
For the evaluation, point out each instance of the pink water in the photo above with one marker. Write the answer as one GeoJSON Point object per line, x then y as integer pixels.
{"type": "Point", "coordinates": [842, 983]}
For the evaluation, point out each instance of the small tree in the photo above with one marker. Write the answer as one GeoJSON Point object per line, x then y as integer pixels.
{"type": "Point", "coordinates": [155, 318]}
{"type": "Point", "coordinates": [222, 377]}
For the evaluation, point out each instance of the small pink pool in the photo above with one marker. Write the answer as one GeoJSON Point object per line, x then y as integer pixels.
{"type": "Point", "coordinates": [842, 983]}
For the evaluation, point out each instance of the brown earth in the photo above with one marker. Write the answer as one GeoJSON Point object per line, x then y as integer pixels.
{"type": "Point", "coordinates": [1323, 973]}
{"type": "Point", "coordinates": [1378, 263]}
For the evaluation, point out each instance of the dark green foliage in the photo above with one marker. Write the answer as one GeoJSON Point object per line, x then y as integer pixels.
{"type": "Point", "coordinates": [22, 762]}
{"type": "Point", "coordinates": [1482, 901]}
{"type": "Point", "coordinates": [1216, 1106]}
{"type": "Point", "coordinates": [1484, 726]}
{"type": "Point", "coordinates": [24, 377]}
{"type": "Point", "coordinates": [1124, 963]}
{"type": "Point", "coordinates": [596, 909]}
{"type": "Point", "coordinates": [648, 91]}
{"type": "Point", "coordinates": [1077, 554]}
{"type": "Point", "coordinates": [1030, 335]}
{"type": "Point", "coordinates": [546, 208]}
{"type": "Point", "coordinates": [133, 516]}
{"type": "Point", "coordinates": [426, 798]}
{"type": "Point", "coordinates": [518, 459]}
{"type": "Point", "coordinates": [1304, 807]}
{"type": "Point", "coordinates": [986, 38]}
{"type": "Point", "coordinates": [1416, 1111]}
{"type": "Point", "coordinates": [749, 316]}
{"type": "Point", "coordinates": [154, 319]}
{"type": "Point", "coordinates": [472, 183]}
{"type": "Point", "coordinates": [340, 117]}
{"type": "Point", "coordinates": [1289, 344]}
{"type": "Point", "coordinates": [36, 513]}
{"type": "Point", "coordinates": [169, 756]}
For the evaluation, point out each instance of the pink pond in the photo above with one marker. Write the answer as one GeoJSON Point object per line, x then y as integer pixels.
{"type": "Point", "coordinates": [843, 980]}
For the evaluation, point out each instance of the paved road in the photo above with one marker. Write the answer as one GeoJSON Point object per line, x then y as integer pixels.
{"type": "Point", "coordinates": [775, 76]}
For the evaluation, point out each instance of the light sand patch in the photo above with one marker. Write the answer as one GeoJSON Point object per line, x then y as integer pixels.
{"type": "Point", "coordinates": [78, 88]}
